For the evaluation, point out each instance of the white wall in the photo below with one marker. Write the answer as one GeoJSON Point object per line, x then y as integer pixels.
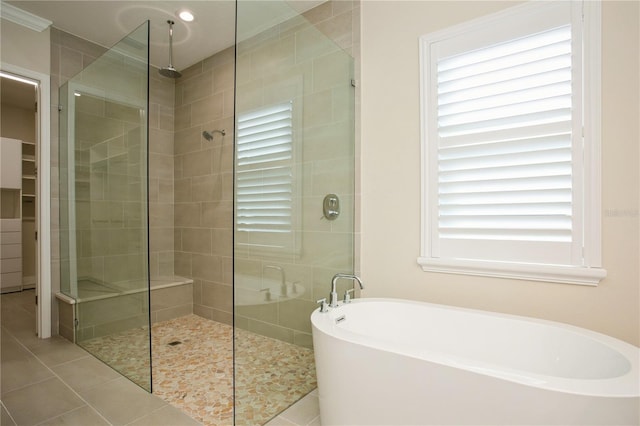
{"type": "Point", "coordinates": [390, 213]}
{"type": "Point", "coordinates": [24, 47]}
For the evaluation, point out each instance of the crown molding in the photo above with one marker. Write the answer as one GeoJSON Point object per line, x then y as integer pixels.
{"type": "Point", "coordinates": [24, 18]}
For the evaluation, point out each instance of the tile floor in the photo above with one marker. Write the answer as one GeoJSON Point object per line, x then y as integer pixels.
{"type": "Point", "coordinates": [196, 375]}
{"type": "Point", "coordinates": [71, 387]}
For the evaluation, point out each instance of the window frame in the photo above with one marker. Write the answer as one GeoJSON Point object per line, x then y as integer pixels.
{"type": "Point", "coordinates": [587, 16]}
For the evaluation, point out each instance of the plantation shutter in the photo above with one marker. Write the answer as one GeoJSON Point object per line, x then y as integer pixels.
{"type": "Point", "coordinates": [505, 120]}
{"type": "Point", "coordinates": [264, 174]}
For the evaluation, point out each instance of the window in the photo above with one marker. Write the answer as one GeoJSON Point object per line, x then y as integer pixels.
{"type": "Point", "coordinates": [510, 145]}
{"type": "Point", "coordinates": [265, 199]}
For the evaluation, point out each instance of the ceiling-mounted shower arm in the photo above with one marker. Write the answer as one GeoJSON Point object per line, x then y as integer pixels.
{"type": "Point", "coordinates": [169, 71]}
{"type": "Point", "coordinates": [171, 24]}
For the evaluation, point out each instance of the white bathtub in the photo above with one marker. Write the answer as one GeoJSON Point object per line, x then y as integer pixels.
{"type": "Point", "coordinates": [396, 362]}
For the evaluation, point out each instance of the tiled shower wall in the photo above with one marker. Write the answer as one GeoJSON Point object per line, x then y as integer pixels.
{"type": "Point", "coordinates": [281, 64]}
{"type": "Point", "coordinates": [191, 182]}
{"type": "Point", "coordinates": [69, 55]}
{"type": "Point", "coordinates": [204, 184]}
{"type": "Point", "coordinates": [161, 179]}
{"type": "Point", "coordinates": [204, 101]}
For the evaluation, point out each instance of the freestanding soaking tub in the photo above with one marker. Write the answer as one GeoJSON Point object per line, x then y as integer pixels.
{"type": "Point", "coordinates": [397, 362]}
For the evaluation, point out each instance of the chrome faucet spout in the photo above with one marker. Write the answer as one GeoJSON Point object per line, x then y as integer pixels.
{"type": "Point", "coordinates": [333, 297]}
{"type": "Point", "coordinates": [283, 281]}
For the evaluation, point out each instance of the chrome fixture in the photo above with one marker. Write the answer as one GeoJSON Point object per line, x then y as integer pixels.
{"type": "Point", "coordinates": [347, 296]}
{"type": "Point", "coordinates": [169, 71]}
{"type": "Point", "coordinates": [331, 207]}
{"type": "Point", "coordinates": [283, 281]}
{"type": "Point", "coordinates": [208, 135]}
{"type": "Point", "coordinates": [323, 305]}
{"type": "Point", "coordinates": [267, 294]}
{"type": "Point", "coordinates": [333, 297]}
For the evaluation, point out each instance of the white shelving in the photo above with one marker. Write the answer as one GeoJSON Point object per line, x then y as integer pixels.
{"type": "Point", "coordinates": [18, 182]}
{"type": "Point", "coordinates": [28, 201]}
{"type": "Point", "coordinates": [11, 217]}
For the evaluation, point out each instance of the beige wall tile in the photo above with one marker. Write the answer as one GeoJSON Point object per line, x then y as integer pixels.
{"type": "Point", "coordinates": [197, 87]}
{"type": "Point", "coordinates": [339, 29]}
{"type": "Point", "coordinates": [218, 296]}
{"type": "Point", "coordinates": [207, 109]}
{"type": "Point", "coordinates": [225, 56]}
{"type": "Point", "coordinates": [196, 240]}
{"type": "Point", "coordinates": [197, 163]}
{"type": "Point", "coordinates": [187, 215]}
{"type": "Point", "coordinates": [160, 141]}
{"type": "Point", "coordinates": [171, 297]}
{"type": "Point", "coordinates": [188, 140]}
{"type": "Point", "coordinates": [182, 117]}
{"type": "Point", "coordinates": [207, 267]}
{"type": "Point", "coordinates": [217, 214]}
{"type": "Point", "coordinates": [223, 77]}
{"type": "Point", "coordinates": [161, 166]}
{"type": "Point", "coordinates": [183, 190]}
{"type": "Point", "coordinates": [271, 330]}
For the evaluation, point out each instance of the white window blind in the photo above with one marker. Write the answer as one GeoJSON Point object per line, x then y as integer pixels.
{"type": "Point", "coordinates": [264, 174]}
{"type": "Point", "coordinates": [504, 128]}
{"type": "Point", "coordinates": [503, 138]}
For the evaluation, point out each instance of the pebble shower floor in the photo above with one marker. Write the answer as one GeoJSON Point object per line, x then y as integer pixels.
{"type": "Point", "coordinates": [196, 375]}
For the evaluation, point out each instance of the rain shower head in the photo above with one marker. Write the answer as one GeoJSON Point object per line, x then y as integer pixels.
{"type": "Point", "coordinates": [169, 71]}
{"type": "Point", "coordinates": [208, 135]}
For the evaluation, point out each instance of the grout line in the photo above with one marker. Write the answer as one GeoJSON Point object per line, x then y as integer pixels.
{"type": "Point", "coordinates": [55, 376]}
{"type": "Point", "coordinates": [8, 413]}
{"type": "Point", "coordinates": [314, 419]}
{"type": "Point", "coordinates": [71, 411]}
{"type": "Point", "coordinates": [153, 411]}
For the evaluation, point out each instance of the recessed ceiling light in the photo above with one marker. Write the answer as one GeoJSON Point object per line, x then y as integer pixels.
{"type": "Point", "coordinates": [186, 15]}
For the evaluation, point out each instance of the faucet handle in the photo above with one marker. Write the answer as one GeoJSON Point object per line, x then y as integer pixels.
{"type": "Point", "coordinates": [323, 305]}
{"type": "Point", "coordinates": [347, 295]}
{"type": "Point", "coordinates": [267, 294]}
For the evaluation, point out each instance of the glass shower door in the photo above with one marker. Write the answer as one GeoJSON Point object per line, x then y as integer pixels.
{"type": "Point", "coordinates": [103, 207]}
{"type": "Point", "coordinates": [294, 150]}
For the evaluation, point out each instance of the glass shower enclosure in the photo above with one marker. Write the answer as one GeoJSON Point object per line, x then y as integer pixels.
{"type": "Point", "coordinates": [103, 205]}
{"type": "Point", "coordinates": [294, 199]}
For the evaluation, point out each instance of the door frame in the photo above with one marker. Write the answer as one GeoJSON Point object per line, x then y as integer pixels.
{"type": "Point", "coordinates": [43, 195]}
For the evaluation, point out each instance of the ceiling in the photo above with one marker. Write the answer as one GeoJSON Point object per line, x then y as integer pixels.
{"type": "Point", "coordinates": [106, 22]}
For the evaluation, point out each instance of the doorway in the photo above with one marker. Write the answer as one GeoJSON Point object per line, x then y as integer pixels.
{"type": "Point", "coordinates": [26, 201]}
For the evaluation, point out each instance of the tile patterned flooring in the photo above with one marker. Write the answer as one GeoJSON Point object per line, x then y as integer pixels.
{"type": "Point", "coordinates": [196, 374]}
{"type": "Point", "coordinates": [74, 388]}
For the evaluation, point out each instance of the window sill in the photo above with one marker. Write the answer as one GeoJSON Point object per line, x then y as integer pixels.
{"type": "Point", "coordinates": [517, 271]}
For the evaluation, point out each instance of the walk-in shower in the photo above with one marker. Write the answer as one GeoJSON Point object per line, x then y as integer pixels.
{"type": "Point", "coordinates": [193, 241]}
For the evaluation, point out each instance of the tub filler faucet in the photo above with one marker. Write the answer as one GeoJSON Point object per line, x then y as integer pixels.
{"type": "Point", "coordinates": [283, 281]}
{"type": "Point", "coordinates": [334, 292]}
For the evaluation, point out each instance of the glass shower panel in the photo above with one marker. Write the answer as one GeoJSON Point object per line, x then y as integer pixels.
{"type": "Point", "coordinates": [103, 211]}
{"type": "Point", "coordinates": [294, 146]}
